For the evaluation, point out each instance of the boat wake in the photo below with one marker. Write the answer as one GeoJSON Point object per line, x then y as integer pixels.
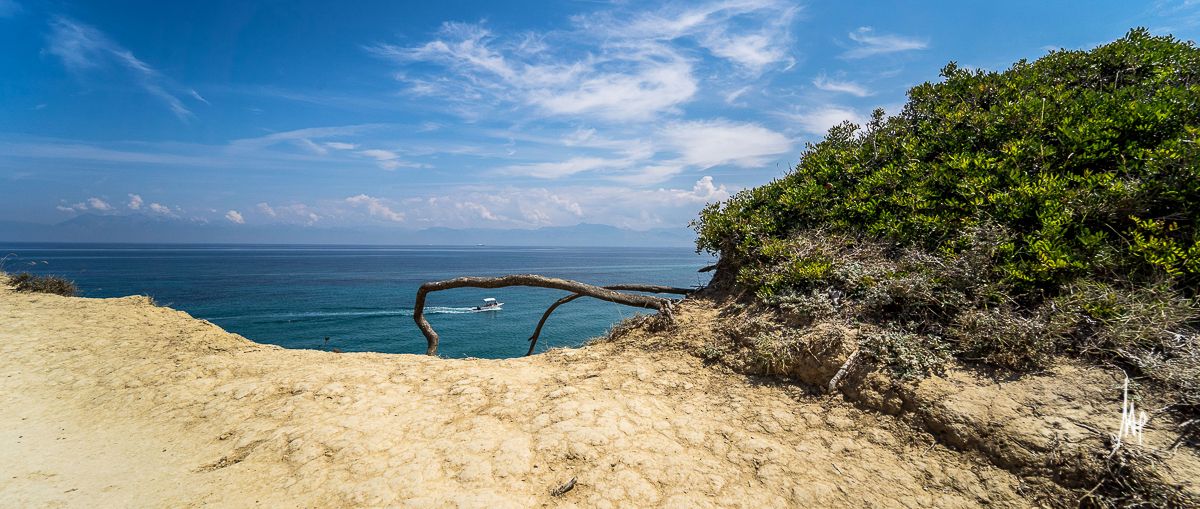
{"type": "Point", "coordinates": [431, 310]}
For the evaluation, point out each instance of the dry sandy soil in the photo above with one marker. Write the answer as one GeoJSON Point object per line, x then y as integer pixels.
{"type": "Point", "coordinates": [121, 403]}
{"type": "Point", "coordinates": [118, 403]}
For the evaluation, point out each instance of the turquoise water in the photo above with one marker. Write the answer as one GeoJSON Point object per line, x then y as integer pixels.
{"type": "Point", "coordinates": [361, 297]}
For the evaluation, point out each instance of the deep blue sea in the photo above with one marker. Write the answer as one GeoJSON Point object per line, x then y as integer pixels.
{"type": "Point", "coordinates": [361, 297]}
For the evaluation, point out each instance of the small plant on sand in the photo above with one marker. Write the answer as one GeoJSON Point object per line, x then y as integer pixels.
{"type": "Point", "coordinates": [26, 282]}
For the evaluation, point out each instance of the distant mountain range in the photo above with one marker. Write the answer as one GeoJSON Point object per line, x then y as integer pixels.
{"type": "Point", "coordinates": [145, 229]}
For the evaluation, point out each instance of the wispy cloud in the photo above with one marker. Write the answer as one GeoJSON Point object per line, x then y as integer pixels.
{"type": "Point", "coordinates": [92, 203]}
{"type": "Point", "coordinates": [709, 143]}
{"type": "Point", "coordinates": [375, 207]}
{"type": "Point", "coordinates": [159, 208]}
{"type": "Point", "coordinates": [1180, 12]}
{"type": "Point", "coordinates": [868, 43]}
{"type": "Point", "coordinates": [235, 217]}
{"type": "Point", "coordinates": [98, 204]}
{"type": "Point", "coordinates": [818, 120]}
{"type": "Point", "coordinates": [752, 34]}
{"type": "Point", "coordinates": [823, 82]}
{"type": "Point", "coordinates": [266, 209]}
{"type": "Point", "coordinates": [296, 212]}
{"type": "Point", "coordinates": [630, 84]}
{"type": "Point", "coordinates": [733, 96]}
{"type": "Point", "coordinates": [83, 48]}
{"type": "Point", "coordinates": [389, 160]}
{"type": "Point", "coordinates": [524, 207]}
{"type": "Point", "coordinates": [565, 168]}
{"type": "Point", "coordinates": [302, 138]}
{"type": "Point", "coordinates": [604, 67]}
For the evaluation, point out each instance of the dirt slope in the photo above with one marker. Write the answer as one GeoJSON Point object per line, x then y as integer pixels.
{"type": "Point", "coordinates": [117, 402]}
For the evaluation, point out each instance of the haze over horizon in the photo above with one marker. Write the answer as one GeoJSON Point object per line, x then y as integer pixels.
{"type": "Point", "coordinates": [468, 115]}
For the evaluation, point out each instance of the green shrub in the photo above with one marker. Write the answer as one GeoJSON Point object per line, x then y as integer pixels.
{"type": "Point", "coordinates": [1002, 217]}
{"type": "Point", "coordinates": [26, 282]}
{"type": "Point", "coordinates": [1089, 157]}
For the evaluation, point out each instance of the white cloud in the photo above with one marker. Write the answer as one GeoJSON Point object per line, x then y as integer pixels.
{"type": "Point", "coordinates": [397, 164]}
{"type": "Point", "coordinates": [296, 212]}
{"type": "Point", "coordinates": [135, 202]}
{"type": "Point", "coordinates": [98, 204]}
{"type": "Point", "coordinates": [310, 146]}
{"type": "Point", "coordinates": [652, 174]}
{"type": "Point", "coordinates": [379, 155]}
{"type": "Point", "coordinates": [501, 207]}
{"type": "Point", "coordinates": [752, 34]}
{"type": "Point", "coordinates": [265, 208]}
{"type": "Point", "coordinates": [92, 203]}
{"type": "Point", "coordinates": [83, 48]}
{"type": "Point", "coordinates": [845, 87]}
{"type": "Point", "coordinates": [338, 145]}
{"type": "Point", "coordinates": [375, 207]}
{"type": "Point", "coordinates": [638, 95]}
{"type": "Point", "coordinates": [389, 160]}
{"type": "Point", "coordinates": [298, 137]}
{"type": "Point", "coordinates": [703, 191]}
{"type": "Point", "coordinates": [733, 96]}
{"type": "Point", "coordinates": [235, 217]}
{"type": "Point", "coordinates": [196, 95]}
{"type": "Point", "coordinates": [559, 169]}
{"type": "Point", "coordinates": [159, 208]}
{"type": "Point", "coordinates": [818, 121]}
{"type": "Point", "coordinates": [483, 212]}
{"type": "Point", "coordinates": [527, 207]}
{"type": "Point", "coordinates": [754, 51]}
{"type": "Point", "coordinates": [715, 142]}
{"type": "Point", "coordinates": [871, 43]}
{"type": "Point", "coordinates": [621, 63]}
{"type": "Point", "coordinates": [623, 70]}
{"type": "Point", "coordinates": [627, 82]}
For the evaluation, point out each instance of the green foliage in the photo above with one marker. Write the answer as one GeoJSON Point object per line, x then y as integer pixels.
{"type": "Point", "coordinates": [26, 282]}
{"type": "Point", "coordinates": [1090, 157]}
{"type": "Point", "coordinates": [1003, 217]}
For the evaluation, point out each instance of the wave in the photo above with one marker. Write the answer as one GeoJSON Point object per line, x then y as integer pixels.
{"type": "Point", "coordinates": [431, 310]}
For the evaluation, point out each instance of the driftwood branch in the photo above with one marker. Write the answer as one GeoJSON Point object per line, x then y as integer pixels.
{"type": "Point", "coordinates": [841, 372]}
{"type": "Point", "coordinates": [633, 288]}
{"type": "Point", "coordinates": [629, 299]}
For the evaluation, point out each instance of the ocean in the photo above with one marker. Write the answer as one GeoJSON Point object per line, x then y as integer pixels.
{"type": "Point", "coordinates": [361, 297]}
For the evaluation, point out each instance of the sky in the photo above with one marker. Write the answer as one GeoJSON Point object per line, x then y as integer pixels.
{"type": "Point", "coordinates": [470, 114]}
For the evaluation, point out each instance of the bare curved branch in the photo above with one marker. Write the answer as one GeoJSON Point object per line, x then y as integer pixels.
{"type": "Point", "coordinates": [634, 288]}
{"type": "Point", "coordinates": [628, 299]}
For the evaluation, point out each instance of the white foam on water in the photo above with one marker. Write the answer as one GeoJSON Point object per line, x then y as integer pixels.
{"type": "Point", "coordinates": [432, 310]}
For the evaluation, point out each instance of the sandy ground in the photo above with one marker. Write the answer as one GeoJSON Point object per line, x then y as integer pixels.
{"type": "Point", "coordinates": [119, 403]}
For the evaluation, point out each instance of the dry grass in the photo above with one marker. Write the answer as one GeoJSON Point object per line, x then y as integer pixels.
{"type": "Point", "coordinates": [1132, 476]}
{"type": "Point", "coordinates": [26, 282]}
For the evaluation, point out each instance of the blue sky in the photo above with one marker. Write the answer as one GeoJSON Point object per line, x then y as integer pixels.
{"type": "Point", "coordinates": [470, 114]}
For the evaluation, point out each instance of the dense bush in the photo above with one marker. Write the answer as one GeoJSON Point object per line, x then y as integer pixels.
{"type": "Point", "coordinates": [1088, 158]}
{"type": "Point", "coordinates": [1001, 216]}
{"type": "Point", "coordinates": [26, 282]}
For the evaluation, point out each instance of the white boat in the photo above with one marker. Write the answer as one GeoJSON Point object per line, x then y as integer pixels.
{"type": "Point", "coordinates": [489, 304]}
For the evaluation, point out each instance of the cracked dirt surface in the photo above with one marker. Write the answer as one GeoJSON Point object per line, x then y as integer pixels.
{"type": "Point", "coordinates": [117, 402]}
